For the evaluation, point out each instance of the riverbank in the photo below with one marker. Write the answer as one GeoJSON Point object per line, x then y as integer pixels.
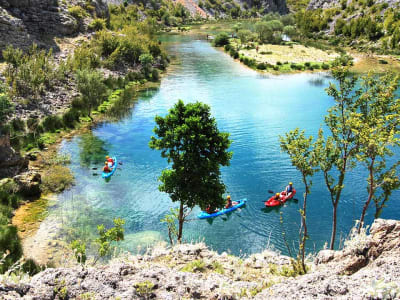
{"type": "Point", "coordinates": [366, 268]}
{"type": "Point", "coordinates": [38, 243]}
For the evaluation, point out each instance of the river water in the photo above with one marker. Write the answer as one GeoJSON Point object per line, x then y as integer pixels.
{"type": "Point", "coordinates": [255, 109]}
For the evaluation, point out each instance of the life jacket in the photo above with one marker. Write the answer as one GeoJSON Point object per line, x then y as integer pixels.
{"type": "Point", "coordinates": [229, 204]}
{"type": "Point", "coordinates": [106, 169]}
{"type": "Point", "coordinates": [110, 160]}
{"type": "Point", "coordinates": [289, 189]}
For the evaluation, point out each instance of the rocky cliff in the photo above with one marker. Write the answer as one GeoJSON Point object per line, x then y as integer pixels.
{"type": "Point", "coordinates": [315, 4]}
{"type": "Point", "coordinates": [23, 22]}
{"type": "Point", "coordinates": [368, 268]}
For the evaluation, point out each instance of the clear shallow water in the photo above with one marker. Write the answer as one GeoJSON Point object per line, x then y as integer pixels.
{"type": "Point", "coordinates": [255, 109]}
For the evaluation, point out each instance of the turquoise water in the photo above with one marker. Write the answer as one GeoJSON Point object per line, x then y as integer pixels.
{"type": "Point", "coordinates": [255, 109]}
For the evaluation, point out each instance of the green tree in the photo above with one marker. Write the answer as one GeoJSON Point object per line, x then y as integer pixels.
{"type": "Point", "coordinates": [376, 126]}
{"type": "Point", "coordinates": [90, 85]}
{"type": "Point", "coordinates": [189, 138]}
{"type": "Point", "coordinates": [5, 107]}
{"type": "Point", "coordinates": [337, 152]}
{"type": "Point", "coordinates": [221, 39]}
{"type": "Point", "coordinates": [146, 60]}
{"type": "Point", "coordinates": [301, 152]}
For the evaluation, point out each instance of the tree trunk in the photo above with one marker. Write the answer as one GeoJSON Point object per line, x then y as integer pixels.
{"type": "Point", "coordinates": [335, 206]}
{"type": "Point", "coordinates": [180, 221]}
{"type": "Point", "coordinates": [371, 193]}
{"type": "Point", "coordinates": [304, 224]}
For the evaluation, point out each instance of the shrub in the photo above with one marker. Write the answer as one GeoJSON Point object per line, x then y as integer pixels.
{"type": "Point", "coordinates": [70, 117]}
{"type": "Point", "coordinates": [261, 66]}
{"type": "Point", "coordinates": [56, 179]}
{"type": "Point", "coordinates": [325, 66]}
{"type": "Point", "coordinates": [9, 243]}
{"type": "Point", "coordinates": [5, 107]}
{"type": "Point", "coordinates": [383, 62]}
{"type": "Point", "coordinates": [194, 266]}
{"type": "Point", "coordinates": [234, 53]}
{"type": "Point", "coordinates": [155, 76]}
{"type": "Point", "coordinates": [52, 123]}
{"type": "Point", "coordinates": [84, 58]}
{"type": "Point", "coordinates": [18, 124]}
{"type": "Point", "coordinates": [227, 47]}
{"type": "Point", "coordinates": [97, 24]}
{"type": "Point", "coordinates": [77, 12]}
{"type": "Point", "coordinates": [221, 39]}
{"type": "Point", "coordinates": [143, 289]}
{"type": "Point", "coordinates": [90, 85]}
{"type": "Point", "coordinates": [30, 74]}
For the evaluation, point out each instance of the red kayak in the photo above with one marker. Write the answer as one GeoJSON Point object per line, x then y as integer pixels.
{"type": "Point", "coordinates": [282, 199]}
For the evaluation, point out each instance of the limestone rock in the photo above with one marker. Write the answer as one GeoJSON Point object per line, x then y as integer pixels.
{"type": "Point", "coordinates": [29, 183]}
{"type": "Point", "coordinates": [11, 163]}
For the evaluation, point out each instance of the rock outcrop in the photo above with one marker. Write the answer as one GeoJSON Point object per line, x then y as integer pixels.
{"type": "Point", "coordinates": [367, 268]}
{"type": "Point", "coordinates": [11, 162]}
{"type": "Point", "coordinates": [23, 22]}
{"type": "Point", "coordinates": [324, 4]}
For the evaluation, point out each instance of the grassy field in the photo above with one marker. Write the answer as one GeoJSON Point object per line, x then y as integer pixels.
{"type": "Point", "coordinates": [298, 54]}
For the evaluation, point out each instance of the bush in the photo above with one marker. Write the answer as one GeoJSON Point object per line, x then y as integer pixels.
{"type": "Point", "coordinates": [30, 74]}
{"type": "Point", "coordinates": [234, 53]}
{"type": "Point", "coordinates": [97, 24]}
{"type": "Point", "coordinates": [5, 107]}
{"type": "Point", "coordinates": [9, 243]}
{"type": "Point", "coordinates": [261, 66]}
{"type": "Point", "coordinates": [56, 179]}
{"type": "Point", "coordinates": [18, 125]}
{"type": "Point", "coordinates": [52, 123]}
{"type": "Point", "coordinates": [221, 39]}
{"type": "Point", "coordinates": [325, 66]}
{"type": "Point", "coordinates": [77, 12]}
{"type": "Point", "coordinates": [227, 47]}
{"type": "Point", "coordinates": [84, 58]}
{"type": "Point", "coordinates": [155, 76]}
{"type": "Point", "coordinates": [70, 117]}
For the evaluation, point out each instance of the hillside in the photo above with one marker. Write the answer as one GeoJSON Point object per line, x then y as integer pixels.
{"type": "Point", "coordinates": [367, 268]}
{"type": "Point", "coordinates": [368, 25]}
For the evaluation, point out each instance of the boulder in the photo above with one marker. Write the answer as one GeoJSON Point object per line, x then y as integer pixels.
{"type": "Point", "coordinates": [29, 183]}
{"type": "Point", "coordinates": [11, 162]}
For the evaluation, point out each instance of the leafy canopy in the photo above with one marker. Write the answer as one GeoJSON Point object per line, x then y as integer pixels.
{"type": "Point", "coordinates": [189, 138]}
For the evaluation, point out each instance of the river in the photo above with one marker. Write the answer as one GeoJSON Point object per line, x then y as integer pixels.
{"type": "Point", "coordinates": [255, 109]}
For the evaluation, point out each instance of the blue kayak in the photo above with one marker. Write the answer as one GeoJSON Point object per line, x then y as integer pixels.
{"type": "Point", "coordinates": [204, 215]}
{"type": "Point", "coordinates": [109, 174]}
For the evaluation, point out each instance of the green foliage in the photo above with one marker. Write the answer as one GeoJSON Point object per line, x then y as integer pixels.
{"type": "Point", "coordinates": [56, 179]}
{"type": "Point", "coordinates": [77, 12]}
{"type": "Point", "coordinates": [194, 266]}
{"type": "Point", "coordinates": [221, 39]}
{"type": "Point", "coordinates": [170, 220]}
{"type": "Point", "coordinates": [97, 24]}
{"type": "Point", "coordinates": [84, 58]}
{"type": "Point", "coordinates": [30, 74]}
{"type": "Point", "coordinates": [143, 289]}
{"type": "Point", "coordinates": [10, 247]}
{"type": "Point", "coordinates": [217, 267]}
{"type": "Point", "coordinates": [90, 85]}
{"type": "Point", "coordinates": [5, 107]}
{"type": "Point", "coordinates": [79, 250]}
{"type": "Point", "coordinates": [92, 150]}
{"type": "Point", "coordinates": [303, 157]}
{"type": "Point", "coordinates": [189, 138]}
{"type": "Point", "coordinates": [107, 236]}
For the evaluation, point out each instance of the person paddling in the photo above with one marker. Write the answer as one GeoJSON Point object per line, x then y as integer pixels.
{"type": "Point", "coordinates": [289, 189]}
{"type": "Point", "coordinates": [229, 202]}
{"type": "Point", "coordinates": [106, 168]}
{"type": "Point", "coordinates": [110, 161]}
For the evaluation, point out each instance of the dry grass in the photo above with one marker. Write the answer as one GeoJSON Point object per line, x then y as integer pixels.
{"type": "Point", "coordinates": [292, 54]}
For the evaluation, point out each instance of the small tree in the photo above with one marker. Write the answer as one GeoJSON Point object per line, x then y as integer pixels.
{"type": "Point", "coordinates": [91, 86]}
{"type": "Point", "coordinates": [189, 138]}
{"type": "Point", "coordinates": [376, 127]}
{"type": "Point", "coordinates": [336, 153]}
{"type": "Point", "coordinates": [300, 150]}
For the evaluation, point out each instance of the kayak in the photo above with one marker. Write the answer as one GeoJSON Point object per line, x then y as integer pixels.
{"type": "Point", "coordinates": [205, 215]}
{"type": "Point", "coordinates": [283, 198]}
{"type": "Point", "coordinates": [109, 174]}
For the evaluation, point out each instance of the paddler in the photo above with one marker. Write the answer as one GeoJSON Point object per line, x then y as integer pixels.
{"type": "Point", "coordinates": [289, 189]}
{"type": "Point", "coordinates": [277, 196]}
{"type": "Point", "coordinates": [106, 168]}
{"type": "Point", "coordinates": [110, 161]}
{"type": "Point", "coordinates": [229, 202]}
